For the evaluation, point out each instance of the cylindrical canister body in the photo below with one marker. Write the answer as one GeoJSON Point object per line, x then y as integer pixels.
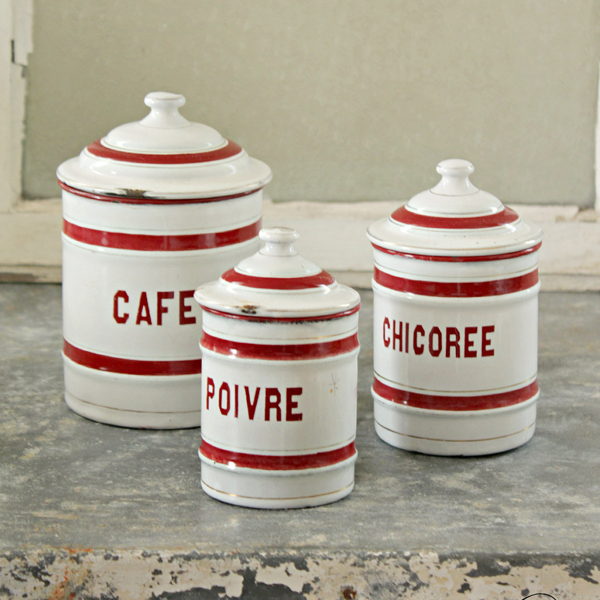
{"type": "Point", "coordinates": [130, 324]}
{"type": "Point", "coordinates": [140, 232]}
{"type": "Point", "coordinates": [279, 393]}
{"type": "Point", "coordinates": [455, 334]}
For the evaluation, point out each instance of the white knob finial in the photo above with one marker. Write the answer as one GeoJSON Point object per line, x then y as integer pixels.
{"type": "Point", "coordinates": [164, 110]}
{"type": "Point", "coordinates": [279, 241]}
{"type": "Point", "coordinates": [455, 178]}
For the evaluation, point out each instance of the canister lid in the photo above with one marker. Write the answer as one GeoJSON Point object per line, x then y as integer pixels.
{"type": "Point", "coordinates": [164, 156]}
{"type": "Point", "coordinates": [454, 218]}
{"type": "Point", "coordinates": [278, 283]}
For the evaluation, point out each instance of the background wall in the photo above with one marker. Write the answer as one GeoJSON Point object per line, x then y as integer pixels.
{"type": "Point", "coordinates": [344, 99]}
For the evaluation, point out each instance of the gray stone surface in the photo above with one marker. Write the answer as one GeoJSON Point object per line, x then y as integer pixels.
{"type": "Point", "coordinates": [72, 490]}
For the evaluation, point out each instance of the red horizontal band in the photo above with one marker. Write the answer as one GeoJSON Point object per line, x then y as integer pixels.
{"type": "Point", "coordinates": [230, 149]}
{"type": "Point", "coordinates": [279, 283]}
{"type": "Point", "coordinates": [466, 289]}
{"type": "Point", "coordinates": [250, 317]}
{"type": "Point", "coordinates": [459, 259]}
{"type": "Point", "coordinates": [277, 463]}
{"type": "Point", "coordinates": [456, 403]}
{"type": "Point", "coordinates": [164, 243]}
{"type": "Point", "coordinates": [142, 200]}
{"type": "Point", "coordinates": [406, 217]}
{"type": "Point", "coordinates": [129, 366]}
{"type": "Point", "coordinates": [279, 351]}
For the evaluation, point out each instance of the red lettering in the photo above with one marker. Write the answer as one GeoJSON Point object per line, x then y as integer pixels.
{"type": "Point", "coordinates": [291, 405]}
{"type": "Point", "coordinates": [237, 404]}
{"type": "Point", "coordinates": [485, 341]}
{"type": "Point", "coordinates": [386, 341]}
{"type": "Point", "coordinates": [210, 390]}
{"type": "Point", "coordinates": [160, 309]}
{"type": "Point", "coordinates": [120, 295]}
{"type": "Point", "coordinates": [251, 405]}
{"type": "Point", "coordinates": [416, 347]}
{"type": "Point", "coordinates": [184, 308]}
{"type": "Point", "coordinates": [406, 328]}
{"type": "Point", "coordinates": [435, 331]}
{"type": "Point", "coordinates": [143, 310]}
{"type": "Point", "coordinates": [397, 335]}
{"type": "Point", "coordinates": [469, 343]}
{"type": "Point", "coordinates": [452, 343]}
{"type": "Point", "coordinates": [224, 388]}
{"type": "Point", "coordinates": [269, 404]}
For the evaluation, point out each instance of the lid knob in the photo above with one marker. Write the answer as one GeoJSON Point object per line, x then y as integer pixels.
{"type": "Point", "coordinates": [455, 178]}
{"type": "Point", "coordinates": [164, 111]}
{"type": "Point", "coordinates": [279, 241]}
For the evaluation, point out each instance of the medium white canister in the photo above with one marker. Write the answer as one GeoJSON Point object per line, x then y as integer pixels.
{"type": "Point", "coordinates": [279, 390]}
{"type": "Point", "coordinates": [150, 211]}
{"type": "Point", "coordinates": [455, 321]}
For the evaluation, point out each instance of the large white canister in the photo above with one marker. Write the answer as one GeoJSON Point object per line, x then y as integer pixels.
{"type": "Point", "coordinates": [279, 389]}
{"type": "Point", "coordinates": [150, 211]}
{"type": "Point", "coordinates": [455, 321]}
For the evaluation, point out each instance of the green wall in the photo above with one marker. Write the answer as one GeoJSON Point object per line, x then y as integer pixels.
{"type": "Point", "coordinates": [344, 99]}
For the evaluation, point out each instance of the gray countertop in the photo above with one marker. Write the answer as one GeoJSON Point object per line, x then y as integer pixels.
{"type": "Point", "coordinates": [70, 487]}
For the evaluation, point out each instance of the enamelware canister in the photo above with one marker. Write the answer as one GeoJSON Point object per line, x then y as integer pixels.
{"type": "Point", "coordinates": [455, 321]}
{"type": "Point", "coordinates": [150, 211]}
{"type": "Point", "coordinates": [279, 389]}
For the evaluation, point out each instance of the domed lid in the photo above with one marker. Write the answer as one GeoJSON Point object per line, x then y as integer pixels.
{"type": "Point", "coordinates": [164, 156]}
{"type": "Point", "coordinates": [454, 218]}
{"type": "Point", "coordinates": [278, 283]}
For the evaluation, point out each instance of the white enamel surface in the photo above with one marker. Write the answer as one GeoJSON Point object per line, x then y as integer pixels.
{"type": "Point", "coordinates": [454, 433]}
{"type": "Point", "coordinates": [159, 402]}
{"type": "Point", "coordinates": [220, 178]}
{"type": "Point", "coordinates": [277, 259]}
{"type": "Point", "coordinates": [514, 342]}
{"type": "Point", "coordinates": [236, 299]}
{"type": "Point", "coordinates": [268, 489]}
{"type": "Point", "coordinates": [92, 276]}
{"type": "Point", "coordinates": [327, 404]}
{"type": "Point", "coordinates": [460, 242]}
{"type": "Point", "coordinates": [164, 131]}
{"type": "Point", "coordinates": [236, 416]}
{"type": "Point", "coordinates": [454, 196]}
{"type": "Point", "coordinates": [424, 270]}
{"type": "Point", "coordinates": [279, 333]}
{"type": "Point", "coordinates": [176, 219]}
{"type": "Point", "coordinates": [456, 346]}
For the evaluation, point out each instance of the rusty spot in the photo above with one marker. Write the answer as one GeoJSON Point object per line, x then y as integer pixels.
{"type": "Point", "coordinates": [77, 550]}
{"type": "Point", "coordinates": [249, 309]}
{"type": "Point", "coordinates": [131, 193]}
{"type": "Point", "coordinates": [348, 593]}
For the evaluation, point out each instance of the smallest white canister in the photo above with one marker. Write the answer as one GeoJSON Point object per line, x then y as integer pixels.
{"type": "Point", "coordinates": [279, 381]}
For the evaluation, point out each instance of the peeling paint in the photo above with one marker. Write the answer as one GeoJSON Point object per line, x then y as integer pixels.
{"type": "Point", "coordinates": [145, 575]}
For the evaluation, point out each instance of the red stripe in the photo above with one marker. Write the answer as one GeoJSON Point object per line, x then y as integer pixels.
{"type": "Point", "coordinates": [154, 243]}
{"type": "Point", "coordinates": [279, 283]}
{"type": "Point", "coordinates": [456, 403]}
{"type": "Point", "coordinates": [250, 317]}
{"type": "Point", "coordinates": [277, 463]}
{"type": "Point", "coordinates": [279, 351]}
{"type": "Point", "coordinates": [230, 149]}
{"type": "Point", "coordinates": [406, 217]}
{"type": "Point", "coordinates": [129, 366]}
{"type": "Point", "coordinates": [463, 289]}
{"type": "Point", "coordinates": [459, 258]}
{"type": "Point", "coordinates": [143, 200]}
